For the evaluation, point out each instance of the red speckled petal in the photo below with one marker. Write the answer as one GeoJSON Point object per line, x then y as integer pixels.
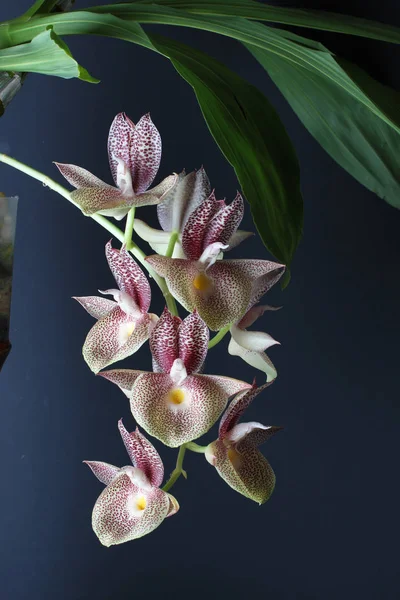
{"type": "Point", "coordinates": [115, 517]}
{"type": "Point", "coordinates": [143, 454]}
{"type": "Point", "coordinates": [201, 399]}
{"type": "Point", "coordinates": [253, 434]}
{"type": "Point", "coordinates": [114, 338]}
{"type": "Point", "coordinates": [164, 341]}
{"type": "Point", "coordinates": [190, 191]}
{"type": "Point", "coordinates": [145, 154]}
{"type": "Point", "coordinates": [120, 139]}
{"type": "Point", "coordinates": [264, 274]}
{"type": "Point", "coordinates": [173, 505]}
{"type": "Point", "coordinates": [255, 313]}
{"type": "Point", "coordinates": [106, 199]}
{"type": "Point", "coordinates": [237, 407]}
{"type": "Point", "coordinates": [79, 177]}
{"type": "Point", "coordinates": [225, 223]}
{"type": "Point", "coordinates": [193, 338]}
{"type": "Point", "coordinates": [228, 296]}
{"type": "Point", "coordinates": [157, 194]}
{"type": "Point", "coordinates": [104, 472]}
{"type": "Point", "coordinates": [96, 307]}
{"type": "Point", "coordinates": [196, 226]}
{"type": "Point", "coordinates": [123, 378]}
{"type": "Point", "coordinates": [129, 276]}
{"type": "Point", "coordinates": [248, 473]}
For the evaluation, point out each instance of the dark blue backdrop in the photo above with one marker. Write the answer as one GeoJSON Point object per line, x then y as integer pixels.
{"type": "Point", "coordinates": [330, 530]}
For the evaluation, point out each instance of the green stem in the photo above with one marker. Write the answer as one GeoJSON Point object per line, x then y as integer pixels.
{"type": "Point", "coordinates": [171, 244]}
{"type": "Point", "coordinates": [129, 228]}
{"type": "Point", "coordinates": [196, 448]}
{"type": "Point", "coordinates": [218, 337]}
{"type": "Point", "coordinates": [110, 227]}
{"type": "Point", "coordinates": [178, 471]}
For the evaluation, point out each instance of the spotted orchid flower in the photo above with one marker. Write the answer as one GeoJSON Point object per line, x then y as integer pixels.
{"type": "Point", "coordinates": [235, 453]}
{"type": "Point", "coordinates": [176, 404]}
{"type": "Point", "coordinates": [134, 152]}
{"type": "Point", "coordinates": [132, 505]}
{"type": "Point", "coordinates": [123, 324]}
{"type": "Point", "coordinates": [176, 208]}
{"type": "Point", "coordinates": [220, 290]}
{"type": "Point", "coordinates": [251, 345]}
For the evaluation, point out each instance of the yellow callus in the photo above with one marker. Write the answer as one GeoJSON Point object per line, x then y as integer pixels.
{"type": "Point", "coordinates": [177, 396]}
{"type": "Point", "coordinates": [202, 282]}
{"type": "Point", "coordinates": [141, 503]}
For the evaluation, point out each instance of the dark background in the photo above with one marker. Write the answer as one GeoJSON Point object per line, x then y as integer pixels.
{"type": "Point", "coordinates": [330, 530]}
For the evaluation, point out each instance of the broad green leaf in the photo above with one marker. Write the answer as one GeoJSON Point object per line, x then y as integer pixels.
{"type": "Point", "coordinates": [46, 54]}
{"type": "Point", "coordinates": [253, 139]}
{"type": "Point", "coordinates": [363, 142]}
{"type": "Point", "coordinates": [312, 19]}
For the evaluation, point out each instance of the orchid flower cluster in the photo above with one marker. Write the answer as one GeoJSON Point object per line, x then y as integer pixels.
{"type": "Point", "coordinates": [176, 403]}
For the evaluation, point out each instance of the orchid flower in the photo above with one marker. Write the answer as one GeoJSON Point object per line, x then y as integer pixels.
{"type": "Point", "coordinates": [235, 453]}
{"type": "Point", "coordinates": [220, 290]}
{"type": "Point", "coordinates": [175, 404]}
{"type": "Point", "coordinates": [124, 323]}
{"type": "Point", "coordinates": [250, 345]}
{"type": "Point", "coordinates": [134, 152]}
{"type": "Point", "coordinates": [132, 504]}
{"type": "Point", "coordinates": [176, 208]}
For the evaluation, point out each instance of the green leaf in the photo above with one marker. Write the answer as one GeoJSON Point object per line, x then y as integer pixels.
{"type": "Point", "coordinates": [364, 141]}
{"type": "Point", "coordinates": [253, 139]}
{"type": "Point", "coordinates": [46, 54]}
{"type": "Point", "coordinates": [313, 19]}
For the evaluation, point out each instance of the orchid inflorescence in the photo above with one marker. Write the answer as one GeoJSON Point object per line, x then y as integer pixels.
{"type": "Point", "coordinates": [175, 402]}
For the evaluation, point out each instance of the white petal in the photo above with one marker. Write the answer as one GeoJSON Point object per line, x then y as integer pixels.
{"type": "Point", "coordinates": [258, 360]}
{"type": "Point", "coordinates": [256, 341]}
{"type": "Point", "coordinates": [125, 302]}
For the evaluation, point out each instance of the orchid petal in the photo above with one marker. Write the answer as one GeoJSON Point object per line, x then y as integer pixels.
{"type": "Point", "coordinates": [79, 177]}
{"type": "Point", "coordinates": [96, 307]}
{"type": "Point", "coordinates": [145, 152]}
{"type": "Point", "coordinates": [238, 237]}
{"type": "Point", "coordinates": [143, 454]}
{"type": "Point", "coordinates": [258, 360]}
{"type": "Point", "coordinates": [248, 472]}
{"type": "Point", "coordinates": [256, 341]}
{"type": "Point", "coordinates": [106, 200]}
{"type": "Point", "coordinates": [120, 142]}
{"type": "Point", "coordinates": [179, 415]}
{"type": "Point", "coordinates": [178, 205]}
{"type": "Point", "coordinates": [164, 340]}
{"type": "Point", "coordinates": [225, 223]}
{"type": "Point", "coordinates": [156, 194]}
{"type": "Point", "coordinates": [255, 313]}
{"type": "Point", "coordinates": [123, 378]}
{"type": "Point", "coordinates": [193, 336]}
{"type": "Point", "coordinates": [196, 226]}
{"type": "Point", "coordinates": [115, 337]}
{"type": "Point", "coordinates": [237, 407]}
{"type": "Point", "coordinates": [104, 472]}
{"type": "Point", "coordinates": [129, 276]}
{"type": "Point", "coordinates": [116, 517]}
{"type": "Point", "coordinates": [226, 299]}
{"type": "Point", "coordinates": [264, 277]}
{"type": "Point", "coordinates": [254, 435]}
{"type": "Point", "coordinates": [173, 505]}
